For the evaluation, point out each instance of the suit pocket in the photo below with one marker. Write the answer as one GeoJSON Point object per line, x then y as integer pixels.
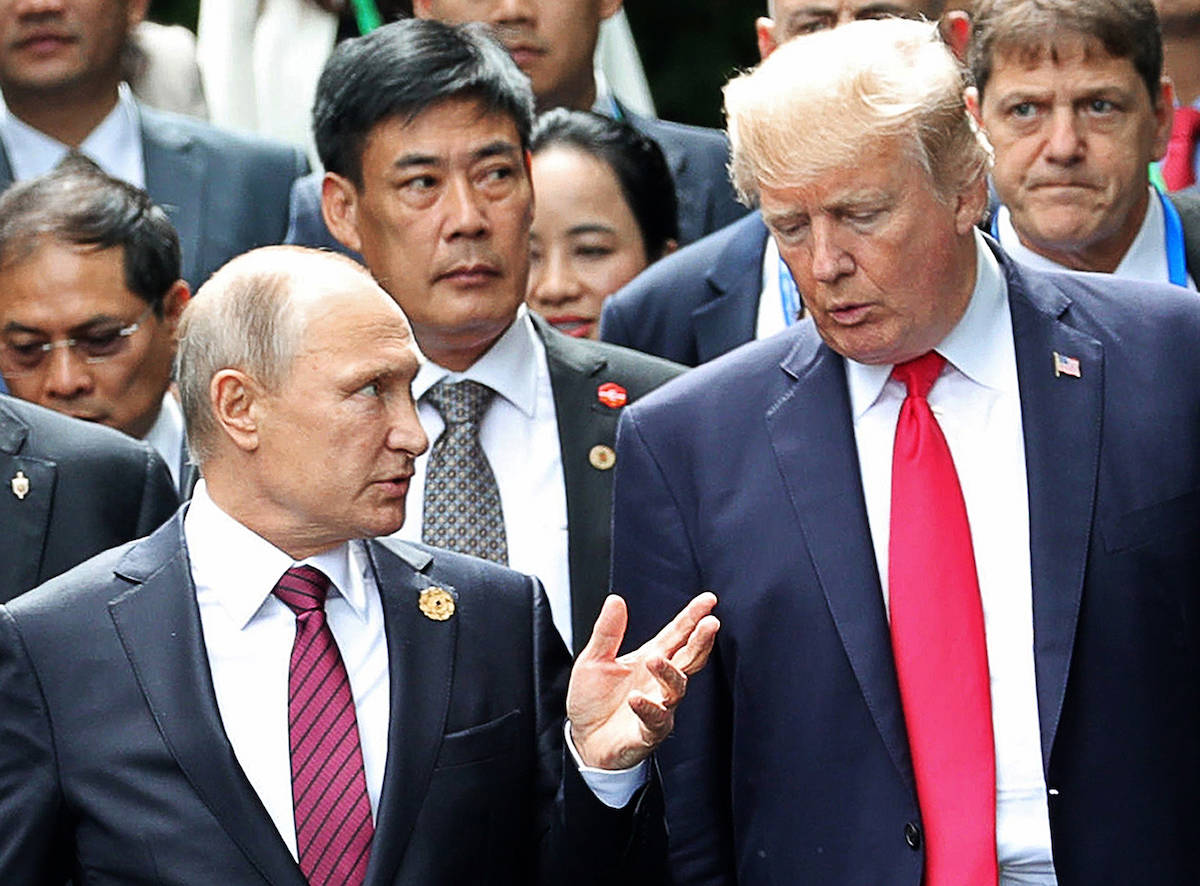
{"type": "Point", "coordinates": [1179, 516]}
{"type": "Point", "coordinates": [489, 740]}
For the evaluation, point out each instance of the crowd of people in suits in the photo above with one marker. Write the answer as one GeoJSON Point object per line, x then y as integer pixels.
{"type": "Point", "coordinates": [369, 503]}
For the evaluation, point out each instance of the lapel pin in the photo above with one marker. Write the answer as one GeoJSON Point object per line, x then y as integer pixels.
{"type": "Point", "coordinates": [602, 457]}
{"type": "Point", "coordinates": [1064, 365]}
{"type": "Point", "coordinates": [20, 485]}
{"type": "Point", "coordinates": [436, 604]}
{"type": "Point", "coordinates": [612, 395]}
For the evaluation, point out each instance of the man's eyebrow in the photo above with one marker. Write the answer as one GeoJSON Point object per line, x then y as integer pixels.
{"type": "Point", "coordinates": [14, 326]}
{"type": "Point", "coordinates": [414, 159]}
{"type": "Point", "coordinates": [498, 148]}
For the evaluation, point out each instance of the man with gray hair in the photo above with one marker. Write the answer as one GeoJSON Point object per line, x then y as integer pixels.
{"type": "Point", "coordinates": [261, 693]}
{"type": "Point", "coordinates": [954, 518]}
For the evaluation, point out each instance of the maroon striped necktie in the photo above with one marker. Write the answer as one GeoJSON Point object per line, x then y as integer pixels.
{"type": "Point", "coordinates": [329, 786]}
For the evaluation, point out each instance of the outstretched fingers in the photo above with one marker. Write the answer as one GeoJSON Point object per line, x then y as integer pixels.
{"type": "Point", "coordinates": [680, 629]}
{"type": "Point", "coordinates": [608, 632]}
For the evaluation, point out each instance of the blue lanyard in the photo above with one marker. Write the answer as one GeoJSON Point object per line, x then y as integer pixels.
{"type": "Point", "coordinates": [1177, 271]}
{"type": "Point", "coordinates": [1176, 254]}
{"type": "Point", "coordinates": [789, 295]}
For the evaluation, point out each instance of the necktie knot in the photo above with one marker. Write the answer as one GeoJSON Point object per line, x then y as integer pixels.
{"type": "Point", "coordinates": [303, 589]}
{"type": "Point", "coordinates": [919, 374]}
{"type": "Point", "coordinates": [460, 402]}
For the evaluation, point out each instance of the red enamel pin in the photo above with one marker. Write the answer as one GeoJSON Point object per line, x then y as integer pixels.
{"type": "Point", "coordinates": [612, 395]}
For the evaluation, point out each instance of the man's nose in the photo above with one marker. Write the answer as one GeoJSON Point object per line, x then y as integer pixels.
{"type": "Point", "coordinates": [830, 260]}
{"type": "Point", "coordinates": [1064, 137]}
{"type": "Point", "coordinates": [66, 375]}
{"type": "Point", "coordinates": [466, 216]}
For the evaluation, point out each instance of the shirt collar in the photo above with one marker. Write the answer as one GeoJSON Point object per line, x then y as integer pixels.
{"type": "Point", "coordinates": [980, 345]}
{"type": "Point", "coordinates": [1145, 260]}
{"type": "Point", "coordinates": [166, 434]}
{"type": "Point", "coordinates": [115, 145]}
{"type": "Point", "coordinates": [240, 568]}
{"type": "Point", "coordinates": [509, 367]}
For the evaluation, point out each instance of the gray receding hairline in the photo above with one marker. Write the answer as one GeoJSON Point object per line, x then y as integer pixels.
{"type": "Point", "coordinates": [242, 318]}
{"type": "Point", "coordinates": [817, 100]}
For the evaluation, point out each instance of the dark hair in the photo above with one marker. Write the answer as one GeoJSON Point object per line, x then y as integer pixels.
{"type": "Point", "coordinates": [635, 159]}
{"type": "Point", "coordinates": [79, 204]}
{"type": "Point", "coordinates": [1126, 28]}
{"type": "Point", "coordinates": [403, 69]}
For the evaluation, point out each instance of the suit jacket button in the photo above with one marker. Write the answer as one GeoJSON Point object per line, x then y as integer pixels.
{"type": "Point", "coordinates": [912, 835]}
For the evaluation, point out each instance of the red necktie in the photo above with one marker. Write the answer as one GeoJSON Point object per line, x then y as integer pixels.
{"type": "Point", "coordinates": [329, 786]}
{"type": "Point", "coordinates": [938, 644]}
{"type": "Point", "coordinates": [1177, 169]}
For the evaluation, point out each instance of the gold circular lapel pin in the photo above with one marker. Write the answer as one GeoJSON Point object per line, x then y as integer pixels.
{"type": "Point", "coordinates": [436, 603]}
{"type": "Point", "coordinates": [602, 457]}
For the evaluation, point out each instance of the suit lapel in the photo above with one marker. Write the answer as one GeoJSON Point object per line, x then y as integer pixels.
{"type": "Point", "coordinates": [421, 665]}
{"type": "Point", "coordinates": [175, 176]}
{"type": "Point", "coordinates": [159, 626]}
{"type": "Point", "coordinates": [582, 424]}
{"type": "Point", "coordinates": [1061, 417]}
{"type": "Point", "coordinates": [729, 318]}
{"type": "Point", "coordinates": [812, 435]}
{"type": "Point", "coordinates": [26, 520]}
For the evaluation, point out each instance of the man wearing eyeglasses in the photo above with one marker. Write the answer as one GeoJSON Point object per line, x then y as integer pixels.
{"type": "Point", "coordinates": [90, 295]}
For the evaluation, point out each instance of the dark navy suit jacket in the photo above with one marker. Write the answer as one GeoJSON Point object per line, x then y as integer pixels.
{"type": "Point", "coordinates": [696, 304]}
{"type": "Point", "coordinates": [790, 762]}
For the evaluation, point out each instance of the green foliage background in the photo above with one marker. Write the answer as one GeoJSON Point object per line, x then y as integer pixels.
{"type": "Point", "coordinates": [689, 48]}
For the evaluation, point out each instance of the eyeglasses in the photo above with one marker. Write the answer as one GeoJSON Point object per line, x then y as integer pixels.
{"type": "Point", "coordinates": [94, 346]}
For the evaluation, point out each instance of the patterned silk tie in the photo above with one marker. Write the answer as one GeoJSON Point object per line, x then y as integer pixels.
{"type": "Point", "coordinates": [329, 786]}
{"type": "Point", "coordinates": [462, 501]}
{"type": "Point", "coordinates": [939, 645]}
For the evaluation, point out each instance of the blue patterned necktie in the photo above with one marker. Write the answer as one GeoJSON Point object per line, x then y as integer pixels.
{"type": "Point", "coordinates": [462, 501]}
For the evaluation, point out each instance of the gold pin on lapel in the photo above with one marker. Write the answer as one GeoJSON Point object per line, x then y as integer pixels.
{"type": "Point", "coordinates": [436, 603]}
{"type": "Point", "coordinates": [20, 485]}
{"type": "Point", "coordinates": [602, 457]}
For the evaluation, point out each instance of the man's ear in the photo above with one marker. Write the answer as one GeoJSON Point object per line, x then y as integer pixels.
{"type": "Point", "coordinates": [1164, 117]}
{"type": "Point", "coordinates": [423, 8]}
{"type": "Point", "coordinates": [972, 203]}
{"type": "Point", "coordinates": [234, 397]}
{"type": "Point", "coordinates": [339, 208]}
{"type": "Point", "coordinates": [764, 30]}
{"type": "Point", "coordinates": [174, 302]}
{"type": "Point", "coordinates": [974, 104]}
{"type": "Point", "coordinates": [955, 26]}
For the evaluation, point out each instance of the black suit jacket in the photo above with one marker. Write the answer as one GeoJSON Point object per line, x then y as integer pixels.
{"type": "Point", "coordinates": [578, 367]}
{"type": "Point", "coordinates": [89, 488]}
{"type": "Point", "coordinates": [225, 193]}
{"type": "Point", "coordinates": [790, 760]}
{"type": "Point", "coordinates": [697, 303]}
{"type": "Point", "coordinates": [115, 768]}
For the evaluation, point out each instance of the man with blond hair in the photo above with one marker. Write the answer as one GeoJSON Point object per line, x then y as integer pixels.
{"type": "Point", "coordinates": [954, 518]}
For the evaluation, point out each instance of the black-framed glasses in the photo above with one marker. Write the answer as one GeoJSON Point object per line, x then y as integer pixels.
{"type": "Point", "coordinates": [94, 346]}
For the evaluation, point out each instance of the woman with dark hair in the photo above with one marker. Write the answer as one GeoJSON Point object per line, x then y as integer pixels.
{"type": "Point", "coordinates": [604, 210]}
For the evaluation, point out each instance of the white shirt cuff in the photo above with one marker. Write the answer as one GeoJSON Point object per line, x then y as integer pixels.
{"type": "Point", "coordinates": [612, 787]}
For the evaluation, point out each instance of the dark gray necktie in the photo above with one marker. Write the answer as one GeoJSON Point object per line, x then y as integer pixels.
{"type": "Point", "coordinates": [462, 501]}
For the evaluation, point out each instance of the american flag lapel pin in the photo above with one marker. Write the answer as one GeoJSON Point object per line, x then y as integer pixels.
{"type": "Point", "coordinates": [1064, 365]}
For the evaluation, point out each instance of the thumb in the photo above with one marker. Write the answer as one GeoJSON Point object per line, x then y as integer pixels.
{"type": "Point", "coordinates": [609, 631]}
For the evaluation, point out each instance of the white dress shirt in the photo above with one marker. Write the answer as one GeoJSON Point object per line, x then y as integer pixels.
{"type": "Point", "coordinates": [248, 635]}
{"type": "Point", "coordinates": [771, 317]}
{"type": "Point", "coordinates": [1145, 260]}
{"type": "Point", "coordinates": [519, 435]}
{"type": "Point", "coordinates": [115, 145]}
{"type": "Point", "coordinates": [166, 436]}
{"type": "Point", "coordinates": [977, 404]}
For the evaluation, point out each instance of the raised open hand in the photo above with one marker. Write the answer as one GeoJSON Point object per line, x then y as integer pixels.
{"type": "Point", "coordinates": [622, 708]}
